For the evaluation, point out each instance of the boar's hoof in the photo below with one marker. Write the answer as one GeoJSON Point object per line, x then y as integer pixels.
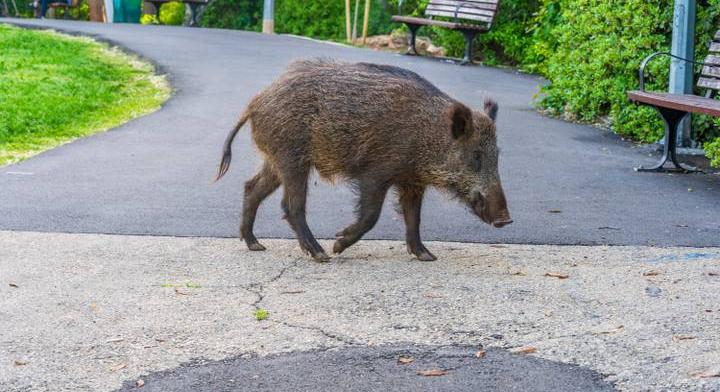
{"type": "Point", "coordinates": [321, 257]}
{"type": "Point", "coordinates": [338, 247]}
{"type": "Point", "coordinates": [256, 247]}
{"type": "Point", "coordinates": [426, 256]}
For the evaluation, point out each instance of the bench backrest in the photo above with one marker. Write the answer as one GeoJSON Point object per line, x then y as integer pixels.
{"type": "Point", "coordinates": [710, 75]}
{"type": "Point", "coordinates": [478, 10]}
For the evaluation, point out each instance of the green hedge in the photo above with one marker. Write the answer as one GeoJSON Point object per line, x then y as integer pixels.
{"type": "Point", "coordinates": [312, 18]}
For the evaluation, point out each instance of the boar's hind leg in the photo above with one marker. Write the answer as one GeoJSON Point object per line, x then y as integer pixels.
{"type": "Point", "coordinates": [293, 204]}
{"type": "Point", "coordinates": [411, 203]}
{"type": "Point", "coordinates": [369, 207]}
{"type": "Point", "coordinates": [256, 190]}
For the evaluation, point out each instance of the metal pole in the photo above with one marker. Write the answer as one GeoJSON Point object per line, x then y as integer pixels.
{"type": "Point", "coordinates": [683, 45]}
{"type": "Point", "coordinates": [269, 17]}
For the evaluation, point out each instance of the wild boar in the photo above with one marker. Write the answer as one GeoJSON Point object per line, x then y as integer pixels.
{"type": "Point", "coordinates": [377, 127]}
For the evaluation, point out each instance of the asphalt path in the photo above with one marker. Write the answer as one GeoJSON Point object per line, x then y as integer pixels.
{"type": "Point", "coordinates": [378, 369]}
{"type": "Point", "coordinates": [566, 183]}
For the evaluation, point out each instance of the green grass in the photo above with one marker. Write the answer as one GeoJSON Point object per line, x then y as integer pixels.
{"type": "Point", "coordinates": [261, 314]}
{"type": "Point", "coordinates": [55, 88]}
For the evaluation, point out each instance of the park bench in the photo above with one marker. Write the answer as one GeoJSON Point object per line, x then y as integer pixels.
{"type": "Point", "coordinates": [461, 13]}
{"type": "Point", "coordinates": [673, 108]}
{"type": "Point", "coordinates": [194, 7]}
{"type": "Point", "coordinates": [55, 5]}
{"type": "Point", "coordinates": [65, 6]}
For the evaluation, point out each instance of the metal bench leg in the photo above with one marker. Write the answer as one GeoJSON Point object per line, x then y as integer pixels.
{"type": "Point", "coordinates": [672, 120]}
{"type": "Point", "coordinates": [469, 38]}
{"type": "Point", "coordinates": [193, 15]}
{"type": "Point", "coordinates": [157, 10]}
{"type": "Point", "coordinates": [411, 40]}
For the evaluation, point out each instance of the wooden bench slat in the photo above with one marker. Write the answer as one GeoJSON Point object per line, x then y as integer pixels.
{"type": "Point", "coordinates": [685, 102]}
{"type": "Point", "coordinates": [711, 83]}
{"type": "Point", "coordinates": [453, 3]}
{"type": "Point", "coordinates": [463, 8]}
{"type": "Point", "coordinates": [430, 22]}
{"type": "Point", "coordinates": [451, 14]}
{"type": "Point", "coordinates": [709, 70]}
{"type": "Point", "coordinates": [461, 11]}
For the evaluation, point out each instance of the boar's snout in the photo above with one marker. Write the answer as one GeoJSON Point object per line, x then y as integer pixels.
{"type": "Point", "coordinates": [492, 208]}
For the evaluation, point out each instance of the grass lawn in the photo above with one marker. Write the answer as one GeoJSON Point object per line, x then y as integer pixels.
{"type": "Point", "coordinates": [55, 88]}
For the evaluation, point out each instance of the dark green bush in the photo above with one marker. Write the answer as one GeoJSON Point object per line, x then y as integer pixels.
{"type": "Point", "coordinates": [234, 14]}
{"type": "Point", "coordinates": [311, 18]}
{"type": "Point", "coordinates": [594, 61]}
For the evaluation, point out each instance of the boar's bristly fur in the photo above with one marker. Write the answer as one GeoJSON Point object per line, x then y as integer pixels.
{"type": "Point", "coordinates": [377, 126]}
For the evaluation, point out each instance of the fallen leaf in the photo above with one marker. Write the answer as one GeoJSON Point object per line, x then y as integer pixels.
{"type": "Point", "coordinates": [617, 329]}
{"type": "Point", "coordinates": [431, 372]}
{"type": "Point", "coordinates": [20, 363]}
{"type": "Point", "coordinates": [292, 292]}
{"type": "Point", "coordinates": [406, 360]}
{"type": "Point", "coordinates": [140, 383]}
{"type": "Point", "coordinates": [706, 373]}
{"type": "Point", "coordinates": [678, 338]}
{"type": "Point", "coordinates": [116, 340]}
{"type": "Point", "coordinates": [518, 273]}
{"type": "Point", "coordinates": [14, 285]}
{"type": "Point", "coordinates": [651, 273]}
{"type": "Point", "coordinates": [177, 291]}
{"type": "Point", "coordinates": [524, 350]}
{"type": "Point", "coordinates": [557, 275]}
{"type": "Point", "coordinates": [480, 354]}
{"type": "Point", "coordinates": [713, 273]}
{"type": "Point", "coordinates": [117, 367]}
{"type": "Point", "coordinates": [608, 228]}
{"type": "Point", "coordinates": [554, 211]}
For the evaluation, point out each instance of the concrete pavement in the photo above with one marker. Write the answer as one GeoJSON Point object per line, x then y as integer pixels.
{"type": "Point", "coordinates": [91, 312]}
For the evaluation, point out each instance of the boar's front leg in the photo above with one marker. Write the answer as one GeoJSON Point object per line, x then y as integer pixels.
{"type": "Point", "coordinates": [293, 204]}
{"type": "Point", "coordinates": [411, 203]}
{"type": "Point", "coordinates": [372, 195]}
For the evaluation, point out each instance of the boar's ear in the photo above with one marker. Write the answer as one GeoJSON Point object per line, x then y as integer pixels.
{"type": "Point", "coordinates": [462, 122]}
{"type": "Point", "coordinates": [491, 108]}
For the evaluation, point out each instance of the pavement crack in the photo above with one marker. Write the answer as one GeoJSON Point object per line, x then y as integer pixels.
{"type": "Point", "coordinates": [258, 288]}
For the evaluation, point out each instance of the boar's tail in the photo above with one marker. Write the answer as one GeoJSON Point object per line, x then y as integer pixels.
{"type": "Point", "coordinates": [227, 147]}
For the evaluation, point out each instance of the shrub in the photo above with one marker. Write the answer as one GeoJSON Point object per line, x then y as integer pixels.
{"type": "Point", "coordinates": [312, 18]}
{"type": "Point", "coordinates": [234, 14]}
{"type": "Point", "coordinates": [172, 13]}
{"type": "Point", "coordinates": [149, 19]}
